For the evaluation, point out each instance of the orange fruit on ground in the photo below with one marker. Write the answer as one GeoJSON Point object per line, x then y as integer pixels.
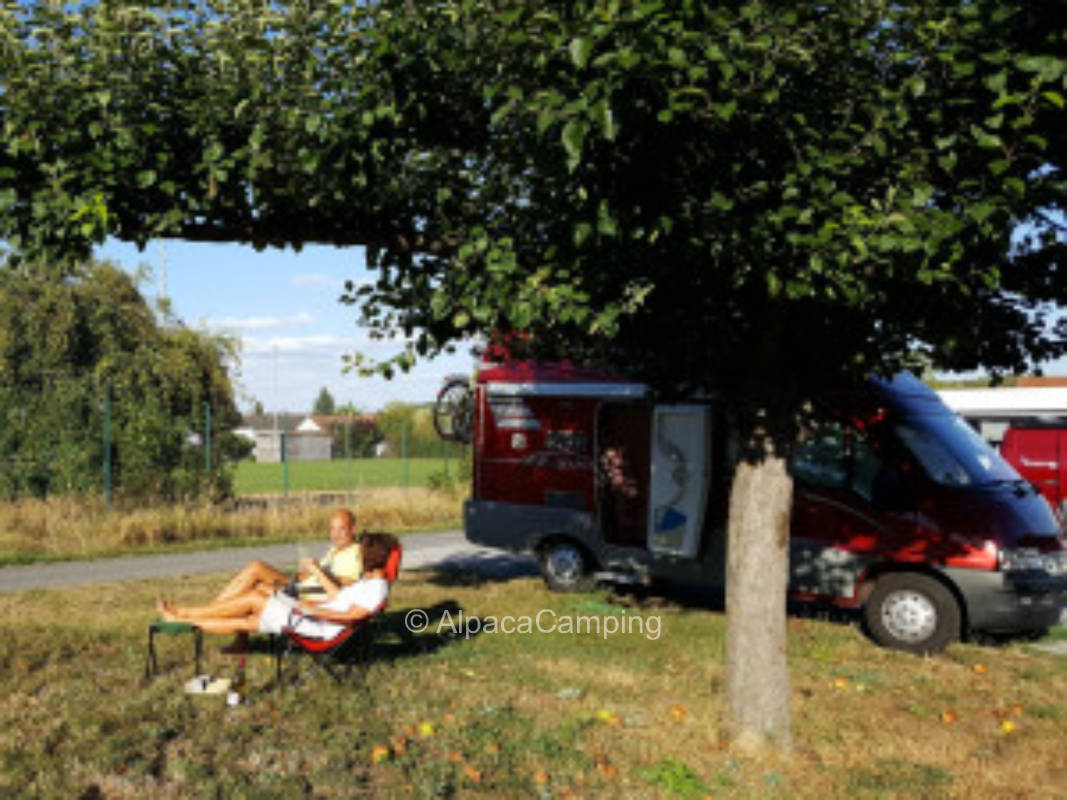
{"type": "Point", "coordinates": [455, 756]}
{"type": "Point", "coordinates": [492, 747]}
{"type": "Point", "coordinates": [981, 669]}
{"type": "Point", "coordinates": [379, 754]}
{"type": "Point", "coordinates": [607, 770]}
{"type": "Point", "coordinates": [472, 773]}
{"type": "Point", "coordinates": [540, 778]}
{"type": "Point", "coordinates": [1017, 710]}
{"type": "Point", "coordinates": [948, 717]}
{"type": "Point", "coordinates": [677, 712]}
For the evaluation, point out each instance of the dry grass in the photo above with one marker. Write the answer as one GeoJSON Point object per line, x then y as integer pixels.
{"type": "Point", "coordinates": [538, 715]}
{"type": "Point", "coordinates": [77, 527]}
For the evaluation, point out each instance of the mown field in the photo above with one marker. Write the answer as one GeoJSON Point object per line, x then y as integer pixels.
{"type": "Point", "coordinates": [340, 475]}
{"type": "Point", "coordinates": [527, 715]}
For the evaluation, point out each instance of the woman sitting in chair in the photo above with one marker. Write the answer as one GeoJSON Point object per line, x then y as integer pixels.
{"type": "Point", "coordinates": [315, 618]}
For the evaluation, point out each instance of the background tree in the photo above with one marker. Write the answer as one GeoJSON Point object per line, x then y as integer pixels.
{"type": "Point", "coordinates": [360, 429]}
{"type": "Point", "coordinates": [324, 403]}
{"type": "Point", "coordinates": [752, 197]}
{"type": "Point", "coordinates": [63, 347]}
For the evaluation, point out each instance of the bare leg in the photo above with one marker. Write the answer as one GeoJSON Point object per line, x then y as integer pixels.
{"type": "Point", "coordinates": [248, 604]}
{"type": "Point", "coordinates": [241, 626]}
{"type": "Point", "coordinates": [255, 575]}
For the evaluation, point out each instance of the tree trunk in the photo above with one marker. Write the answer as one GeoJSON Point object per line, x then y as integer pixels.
{"type": "Point", "coordinates": [757, 706]}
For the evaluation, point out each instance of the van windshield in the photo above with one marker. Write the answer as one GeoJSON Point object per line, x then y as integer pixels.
{"type": "Point", "coordinates": [952, 452]}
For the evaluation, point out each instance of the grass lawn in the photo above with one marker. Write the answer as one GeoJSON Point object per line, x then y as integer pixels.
{"type": "Point", "coordinates": [527, 715]}
{"type": "Point", "coordinates": [338, 474]}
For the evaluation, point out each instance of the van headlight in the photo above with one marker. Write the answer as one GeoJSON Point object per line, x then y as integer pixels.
{"type": "Point", "coordinates": [1020, 558]}
{"type": "Point", "coordinates": [1029, 558]}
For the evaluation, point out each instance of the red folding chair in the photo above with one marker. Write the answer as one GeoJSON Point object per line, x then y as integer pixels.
{"type": "Point", "coordinates": [339, 655]}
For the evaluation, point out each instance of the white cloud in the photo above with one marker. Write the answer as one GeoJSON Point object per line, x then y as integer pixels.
{"type": "Point", "coordinates": [290, 345]}
{"type": "Point", "coordinates": [237, 324]}
{"type": "Point", "coordinates": [313, 279]}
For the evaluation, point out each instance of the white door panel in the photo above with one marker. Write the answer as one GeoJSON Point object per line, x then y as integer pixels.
{"type": "Point", "coordinates": [678, 483]}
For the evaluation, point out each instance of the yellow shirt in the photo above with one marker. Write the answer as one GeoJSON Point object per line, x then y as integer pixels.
{"type": "Point", "coordinates": [344, 565]}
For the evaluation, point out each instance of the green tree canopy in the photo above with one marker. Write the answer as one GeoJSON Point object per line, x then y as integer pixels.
{"type": "Point", "coordinates": [64, 347]}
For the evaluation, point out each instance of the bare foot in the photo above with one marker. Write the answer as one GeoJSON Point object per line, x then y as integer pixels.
{"type": "Point", "coordinates": [166, 610]}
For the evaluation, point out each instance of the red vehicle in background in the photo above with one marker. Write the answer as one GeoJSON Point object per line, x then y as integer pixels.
{"type": "Point", "coordinates": [1039, 453]}
{"type": "Point", "coordinates": [901, 510]}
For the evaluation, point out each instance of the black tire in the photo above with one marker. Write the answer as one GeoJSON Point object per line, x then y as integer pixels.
{"type": "Point", "coordinates": [566, 567]}
{"type": "Point", "coordinates": [453, 413]}
{"type": "Point", "coordinates": [912, 612]}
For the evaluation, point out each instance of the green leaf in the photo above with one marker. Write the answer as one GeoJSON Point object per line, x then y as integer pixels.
{"type": "Point", "coordinates": [984, 138]}
{"type": "Point", "coordinates": [580, 49]}
{"type": "Point", "coordinates": [145, 178]}
{"type": "Point", "coordinates": [1048, 68]}
{"type": "Point", "coordinates": [603, 113]}
{"type": "Point", "coordinates": [582, 232]}
{"type": "Point", "coordinates": [1054, 97]}
{"type": "Point", "coordinates": [461, 319]}
{"type": "Point", "coordinates": [921, 195]}
{"type": "Point", "coordinates": [605, 223]}
{"type": "Point", "coordinates": [997, 82]}
{"type": "Point", "coordinates": [573, 136]}
{"type": "Point", "coordinates": [725, 111]}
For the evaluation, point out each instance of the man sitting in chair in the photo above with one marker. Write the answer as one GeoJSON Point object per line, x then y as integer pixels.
{"type": "Point", "coordinates": [341, 564]}
{"type": "Point", "coordinates": [314, 617]}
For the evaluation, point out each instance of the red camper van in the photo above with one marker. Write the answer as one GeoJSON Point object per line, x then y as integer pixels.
{"type": "Point", "coordinates": [901, 510]}
{"type": "Point", "coordinates": [1039, 453]}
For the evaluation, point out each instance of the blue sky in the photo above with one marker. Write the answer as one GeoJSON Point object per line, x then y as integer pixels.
{"type": "Point", "coordinates": [283, 306]}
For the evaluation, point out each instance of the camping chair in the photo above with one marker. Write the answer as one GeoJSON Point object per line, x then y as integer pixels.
{"type": "Point", "coordinates": [338, 656]}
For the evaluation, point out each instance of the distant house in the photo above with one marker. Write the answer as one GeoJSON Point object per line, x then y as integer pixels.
{"type": "Point", "coordinates": [269, 433]}
{"type": "Point", "coordinates": [308, 438]}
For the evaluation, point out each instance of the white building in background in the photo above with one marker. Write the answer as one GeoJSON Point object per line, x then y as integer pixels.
{"type": "Point", "coordinates": [266, 434]}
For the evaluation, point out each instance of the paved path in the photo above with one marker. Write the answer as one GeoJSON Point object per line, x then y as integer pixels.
{"type": "Point", "coordinates": [447, 549]}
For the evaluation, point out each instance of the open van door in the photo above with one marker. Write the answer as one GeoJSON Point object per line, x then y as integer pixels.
{"type": "Point", "coordinates": [678, 480]}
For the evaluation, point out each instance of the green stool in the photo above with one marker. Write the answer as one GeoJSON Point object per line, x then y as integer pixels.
{"type": "Point", "coordinates": [151, 666]}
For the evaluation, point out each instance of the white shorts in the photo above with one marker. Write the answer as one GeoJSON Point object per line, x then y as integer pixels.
{"type": "Point", "coordinates": [278, 613]}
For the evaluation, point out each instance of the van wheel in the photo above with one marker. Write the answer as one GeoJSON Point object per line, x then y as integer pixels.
{"type": "Point", "coordinates": [912, 612]}
{"type": "Point", "coordinates": [566, 568]}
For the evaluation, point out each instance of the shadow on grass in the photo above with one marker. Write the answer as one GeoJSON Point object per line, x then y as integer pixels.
{"type": "Point", "coordinates": [394, 636]}
{"type": "Point", "coordinates": [694, 596]}
{"type": "Point", "coordinates": [478, 569]}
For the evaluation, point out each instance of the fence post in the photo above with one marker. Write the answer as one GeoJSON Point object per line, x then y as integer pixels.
{"type": "Point", "coordinates": [348, 455]}
{"type": "Point", "coordinates": [207, 442]}
{"type": "Point", "coordinates": [107, 448]}
{"type": "Point", "coordinates": [404, 450]}
{"type": "Point", "coordinates": [285, 465]}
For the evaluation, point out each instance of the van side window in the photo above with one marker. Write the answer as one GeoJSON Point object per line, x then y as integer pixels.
{"type": "Point", "coordinates": [822, 460]}
{"type": "Point", "coordinates": [840, 457]}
